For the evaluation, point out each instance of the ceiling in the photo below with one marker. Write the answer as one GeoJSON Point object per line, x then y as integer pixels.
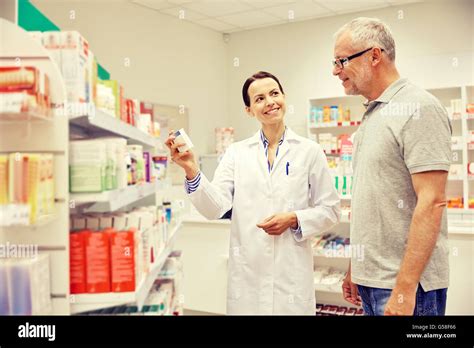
{"type": "Point", "coordinates": [228, 16]}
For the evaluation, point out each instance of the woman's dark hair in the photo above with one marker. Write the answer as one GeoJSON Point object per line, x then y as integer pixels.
{"type": "Point", "coordinates": [257, 76]}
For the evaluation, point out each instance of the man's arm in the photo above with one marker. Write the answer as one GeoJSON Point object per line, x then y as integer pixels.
{"type": "Point", "coordinates": [430, 190]}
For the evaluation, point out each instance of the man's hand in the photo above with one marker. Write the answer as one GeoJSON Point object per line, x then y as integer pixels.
{"type": "Point", "coordinates": [401, 302]}
{"type": "Point", "coordinates": [279, 223]}
{"type": "Point", "coordinates": [349, 290]}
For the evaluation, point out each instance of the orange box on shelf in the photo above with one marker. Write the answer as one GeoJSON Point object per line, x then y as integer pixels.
{"type": "Point", "coordinates": [455, 202]}
{"type": "Point", "coordinates": [97, 247]}
{"type": "Point", "coordinates": [77, 263]}
{"type": "Point", "coordinates": [26, 87]}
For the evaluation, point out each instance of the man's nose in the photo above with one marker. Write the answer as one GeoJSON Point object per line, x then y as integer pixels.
{"type": "Point", "coordinates": [336, 70]}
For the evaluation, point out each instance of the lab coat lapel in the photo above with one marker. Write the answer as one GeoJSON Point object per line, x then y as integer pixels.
{"type": "Point", "coordinates": [282, 151]}
{"type": "Point", "coordinates": [262, 163]}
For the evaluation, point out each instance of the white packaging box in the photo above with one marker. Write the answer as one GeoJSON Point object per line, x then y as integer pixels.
{"type": "Point", "coordinates": [105, 221]}
{"type": "Point", "coordinates": [78, 223]}
{"type": "Point", "coordinates": [92, 223]}
{"type": "Point", "coordinates": [52, 42]}
{"type": "Point", "coordinates": [87, 160]}
{"type": "Point", "coordinates": [27, 285]}
{"type": "Point", "coordinates": [133, 220]}
{"type": "Point", "coordinates": [183, 138]}
{"type": "Point", "coordinates": [121, 165]}
{"type": "Point", "coordinates": [120, 222]}
{"type": "Point", "coordinates": [40, 273]}
{"type": "Point", "coordinates": [74, 58]}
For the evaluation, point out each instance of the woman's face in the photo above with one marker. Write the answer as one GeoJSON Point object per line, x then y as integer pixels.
{"type": "Point", "coordinates": [267, 102]}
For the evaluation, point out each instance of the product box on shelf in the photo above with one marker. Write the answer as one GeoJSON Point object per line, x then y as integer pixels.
{"type": "Point", "coordinates": [52, 41]}
{"type": "Point", "coordinates": [28, 181]}
{"type": "Point", "coordinates": [98, 261]}
{"type": "Point", "coordinates": [77, 263]}
{"type": "Point", "coordinates": [117, 92]}
{"type": "Point", "coordinates": [24, 89]}
{"type": "Point", "coordinates": [74, 66]}
{"type": "Point", "coordinates": [122, 257]}
{"type": "Point", "coordinates": [25, 286]}
{"type": "Point", "coordinates": [87, 163]}
{"type": "Point", "coordinates": [3, 179]}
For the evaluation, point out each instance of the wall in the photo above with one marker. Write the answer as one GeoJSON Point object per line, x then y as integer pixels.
{"type": "Point", "coordinates": [171, 61]}
{"type": "Point", "coordinates": [428, 37]}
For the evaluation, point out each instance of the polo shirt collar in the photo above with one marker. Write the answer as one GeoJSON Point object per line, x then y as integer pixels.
{"type": "Point", "coordinates": [389, 92]}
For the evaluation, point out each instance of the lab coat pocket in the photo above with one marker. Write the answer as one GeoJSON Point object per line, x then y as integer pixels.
{"type": "Point", "coordinates": [296, 187]}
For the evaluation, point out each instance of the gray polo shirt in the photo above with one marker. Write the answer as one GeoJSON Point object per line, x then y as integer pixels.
{"type": "Point", "coordinates": [404, 131]}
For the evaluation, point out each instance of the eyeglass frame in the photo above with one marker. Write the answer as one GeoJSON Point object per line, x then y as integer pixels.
{"type": "Point", "coordinates": [344, 61]}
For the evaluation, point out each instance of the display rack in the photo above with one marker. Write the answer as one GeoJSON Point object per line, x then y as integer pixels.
{"type": "Point", "coordinates": [51, 134]}
{"type": "Point", "coordinates": [88, 302]}
{"type": "Point", "coordinates": [45, 133]}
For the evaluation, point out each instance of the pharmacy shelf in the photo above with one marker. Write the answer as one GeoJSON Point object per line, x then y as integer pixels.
{"type": "Point", "coordinates": [337, 288]}
{"type": "Point", "coordinates": [99, 123]}
{"type": "Point", "coordinates": [116, 199]}
{"type": "Point", "coordinates": [41, 221]}
{"type": "Point", "coordinates": [24, 117]}
{"type": "Point", "coordinates": [89, 302]}
{"type": "Point", "coordinates": [335, 125]}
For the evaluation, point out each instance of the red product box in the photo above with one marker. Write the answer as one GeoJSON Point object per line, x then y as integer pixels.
{"type": "Point", "coordinates": [77, 263]}
{"type": "Point", "coordinates": [147, 108]}
{"type": "Point", "coordinates": [130, 111]}
{"type": "Point", "coordinates": [97, 261]}
{"type": "Point", "coordinates": [122, 252]}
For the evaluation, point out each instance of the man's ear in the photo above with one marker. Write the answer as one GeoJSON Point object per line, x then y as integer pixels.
{"type": "Point", "coordinates": [376, 56]}
{"type": "Point", "coordinates": [248, 111]}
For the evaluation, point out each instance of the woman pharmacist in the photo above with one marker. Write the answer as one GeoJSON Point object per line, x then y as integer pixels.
{"type": "Point", "coordinates": [281, 194]}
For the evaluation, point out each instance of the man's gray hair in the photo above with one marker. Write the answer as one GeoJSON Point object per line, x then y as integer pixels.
{"type": "Point", "coordinates": [369, 32]}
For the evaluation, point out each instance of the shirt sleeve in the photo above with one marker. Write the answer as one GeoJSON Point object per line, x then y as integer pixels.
{"type": "Point", "coordinates": [425, 140]}
{"type": "Point", "coordinates": [193, 184]}
{"type": "Point", "coordinates": [297, 232]}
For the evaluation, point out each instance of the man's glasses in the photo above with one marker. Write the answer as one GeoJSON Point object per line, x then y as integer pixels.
{"type": "Point", "coordinates": [342, 62]}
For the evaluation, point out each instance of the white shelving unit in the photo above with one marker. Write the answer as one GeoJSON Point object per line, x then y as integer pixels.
{"type": "Point", "coordinates": [460, 221]}
{"type": "Point", "coordinates": [98, 123]}
{"type": "Point", "coordinates": [34, 132]}
{"type": "Point", "coordinates": [116, 199]}
{"type": "Point", "coordinates": [88, 302]}
{"type": "Point", "coordinates": [37, 133]}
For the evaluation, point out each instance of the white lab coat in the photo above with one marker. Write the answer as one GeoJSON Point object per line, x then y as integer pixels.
{"type": "Point", "coordinates": [271, 274]}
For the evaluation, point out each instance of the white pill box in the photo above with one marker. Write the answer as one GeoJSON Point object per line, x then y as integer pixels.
{"type": "Point", "coordinates": [182, 138]}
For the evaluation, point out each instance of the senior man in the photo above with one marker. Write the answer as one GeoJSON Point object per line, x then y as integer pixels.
{"type": "Point", "coordinates": [402, 154]}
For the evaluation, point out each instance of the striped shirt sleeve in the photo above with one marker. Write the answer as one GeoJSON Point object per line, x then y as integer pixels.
{"type": "Point", "coordinates": [193, 184]}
